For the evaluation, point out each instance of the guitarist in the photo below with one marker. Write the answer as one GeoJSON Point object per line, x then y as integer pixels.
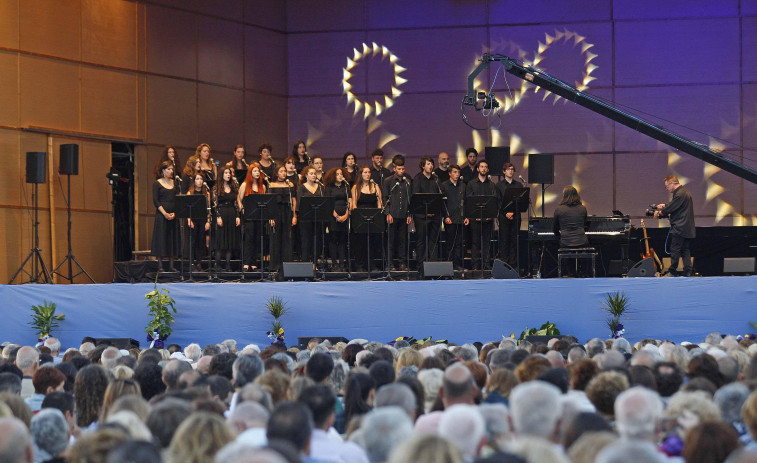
{"type": "Point", "coordinates": [680, 210]}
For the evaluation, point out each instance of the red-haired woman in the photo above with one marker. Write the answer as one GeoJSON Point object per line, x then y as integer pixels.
{"type": "Point", "coordinates": [253, 184]}
{"type": "Point", "coordinates": [165, 240]}
{"type": "Point", "coordinates": [227, 219]}
{"type": "Point", "coordinates": [190, 170]}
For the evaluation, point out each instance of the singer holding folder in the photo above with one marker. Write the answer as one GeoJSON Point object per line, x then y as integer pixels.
{"type": "Point", "coordinates": [366, 195]}
{"type": "Point", "coordinates": [253, 184]}
{"type": "Point", "coordinates": [337, 187]}
{"type": "Point", "coordinates": [310, 186]}
{"type": "Point", "coordinates": [509, 218]}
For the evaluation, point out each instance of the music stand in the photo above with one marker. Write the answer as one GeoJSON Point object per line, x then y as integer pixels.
{"type": "Point", "coordinates": [521, 198]}
{"type": "Point", "coordinates": [260, 208]}
{"type": "Point", "coordinates": [240, 175]}
{"type": "Point", "coordinates": [367, 220]}
{"type": "Point", "coordinates": [316, 209]}
{"type": "Point", "coordinates": [425, 204]}
{"type": "Point", "coordinates": [481, 208]}
{"type": "Point", "coordinates": [194, 207]}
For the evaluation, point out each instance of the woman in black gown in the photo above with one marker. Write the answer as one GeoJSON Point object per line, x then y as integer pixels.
{"type": "Point", "coordinates": [300, 155]}
{"type": "Point", "coordinates": [350, 167]}
{"type": "Point", "coordinates": [308, 229]}
{"type": "Point", "coordinates": [198, 229]}
{"type": "Point", "coordinates": [365, 194]}
{"type": "Point", "coordinates": [281, 236]}
{"type": "Point", "coordinates": [253, 184]}
{"type": "Point", "coordinates": [227, 219]}
{"type": "Point", "coordinates": [165, 236]}
{"type": "Point", "coordinates": [337, 188]}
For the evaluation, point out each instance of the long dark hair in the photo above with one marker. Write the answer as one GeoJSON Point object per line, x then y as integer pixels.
{"type": "Point", "coordinates": [570, 196]}
{"type": "Point", "coordinates": [163, 166]}
{"type": "Point", "coordinates": [329, 178]}
{"type": "Point", "coordinates": [358, 185]}
{"type": "Point", "coordinates": [220, 181]}
{"type": "Point", "coordinates": [356, 395]}
{"type": "Point", "coordinates": [296, 156]}
{"type": "Point", "coordinates": [164, 157]}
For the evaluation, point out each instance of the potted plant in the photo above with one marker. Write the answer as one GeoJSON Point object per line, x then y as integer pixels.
{"type": "Point", "coordinates": [162, 308]}
{"type": "Point", "coordinates": [44, 320]}
{"type": "Point", "coordinates": [277, 308]}
{"type": "Point", "coordinates": [616, 305]}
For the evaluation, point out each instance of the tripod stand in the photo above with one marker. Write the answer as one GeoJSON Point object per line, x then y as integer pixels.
{"type": "Point", "coordinates": [38, 264]}
{"type": "Point", "coordinates": [70, 259]}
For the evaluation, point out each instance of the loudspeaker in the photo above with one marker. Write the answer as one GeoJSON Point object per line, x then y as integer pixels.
{"type": "Point", "coordinates": [738, 265]}
{"type": "Point", "coordinates": [438, 269]}
{"type": "Point", "coordinates": [617, 267]}
{"type": "Point", "coordinates": [496, 157]}
{"type": "Point", "coordinates": [642, 268]}
{"type": "Point", "coordinates": [36, 167]}
{"type": "Point", "coordinates": [298, 270]}
{"type": "Point", "coordinates": [303, 341]}
{"type": "Point", "coordinates": [541, 168]}
{"type": "Point", "coordinates": [121, 343]}
{"type": "Point", "coordinates": [502, 271]}
{"type": "Point", "coordinates": [69, 159]}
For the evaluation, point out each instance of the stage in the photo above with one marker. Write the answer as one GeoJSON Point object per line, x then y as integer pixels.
{"type": "Point", "coordinates": [679, 309]}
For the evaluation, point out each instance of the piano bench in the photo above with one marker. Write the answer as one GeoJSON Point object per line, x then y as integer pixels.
{"type": "Point", "coordinates": [577, 253]}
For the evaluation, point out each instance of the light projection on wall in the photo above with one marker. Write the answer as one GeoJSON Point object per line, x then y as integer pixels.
{"type": "Point", "coordinates": [383, 102]}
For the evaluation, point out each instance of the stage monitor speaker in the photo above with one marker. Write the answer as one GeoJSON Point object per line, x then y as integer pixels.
{"type": "Point", "coordinates": [303, 341]}
{"type": "Point", "coordinates": [121, 343]}
{"type": "Point", "coordinates": [69, 159]}
{"type": "Point", "coordinates": [541, 168]}
{"type": "Point", "coordinates": [642, 268]}
{"type": "Point", "coordinates": [496, 157]}
{"type": "Point", "coordinates": [36, 167]}
{"type": "Point", "coordinates": [298, 270]}
{"type": "Point", "coordinates": [437, 269]}
{"type": "Point", "coordinates": [502, 271]}
{"type": "Point", "coordinates": [739, 265]}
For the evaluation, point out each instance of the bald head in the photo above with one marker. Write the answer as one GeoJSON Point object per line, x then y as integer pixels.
{"type": "Point", "coordinates": [203, 365]}
{"type": "Point", "coordinates": [458, 386]}
{"type": "Point", "coordinates": [15, 442]}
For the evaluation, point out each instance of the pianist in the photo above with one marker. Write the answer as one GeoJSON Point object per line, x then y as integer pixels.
{"type": "Point", "coordinates": [569, 224]}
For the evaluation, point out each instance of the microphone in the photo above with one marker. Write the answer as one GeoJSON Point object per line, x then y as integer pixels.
{"type": "Point", "coordinates": [489, 177]}
{"type": "Point", "coordinates": [521, 179]}
{"type": "Point", "coordinates": [433, 173]}
{"type": "Point", "coordinates": [288, 182]}
{"type": "Point", "coordinates": [205, 185]}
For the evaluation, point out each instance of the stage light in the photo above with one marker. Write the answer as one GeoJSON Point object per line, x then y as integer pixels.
{"type": "Point", "coordinates": [383, 102]}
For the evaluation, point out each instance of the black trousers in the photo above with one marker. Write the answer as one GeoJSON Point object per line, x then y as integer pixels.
{"type": "Point", "coordinates": [481, 230]}
{"type": "Point", "coordinates": [252, 233]}
{"type": "Point", "coordinates": [361, 245]}
{"type": "Point", "coordinates": [397, 242]}
{"type": "Point", "coordinates": [508, 239]}
{"type": "Point", "coordinates": [281, 244]}
{"type": "Point", "coordinates": [307, 230]}
{"type": "Point", "coordinates": [198, 241]}
{"type": "Point", "coordinates": [680, 247]}
{"type": "Point", "coordinates": [338, 247]}
{"type": "Point", "coordinates": [454, 236]}
{"type": "Point", "coordinates": [426, 227]}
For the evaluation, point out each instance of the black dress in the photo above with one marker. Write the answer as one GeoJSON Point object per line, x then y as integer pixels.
{"type": "Point", "coordinates": [281, 236]}
{"type": "Point", "coordinates": [165, 235]}
{"type": "Point", "coordinates": [366, 201]}
{"type": "Point", "coordinates": [227, 235]}
{"type": "Point", "coordinates": [307, 228]}
{"type": "Point", "coordinates": [338, 230]}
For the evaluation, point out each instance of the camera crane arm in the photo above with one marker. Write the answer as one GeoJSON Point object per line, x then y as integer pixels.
{"type": "Point", "coordinates": [558, 87]}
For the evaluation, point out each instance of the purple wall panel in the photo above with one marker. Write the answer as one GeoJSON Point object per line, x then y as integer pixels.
{"type": "Point", "coordinates": [748, 7]}
{"type": "Point", "coordinates": [392, 14]}
{"type": "Point", "coordinates": [171, 42]}
{"type": "Point", "coordinates": [316, 62]}
{"type": "Point", "coordinates": [219, 52]}
{"type": "Point", "coordinates": [749, 49]}
{"type": "Point", "coordinates": [590, 174]}
{"type": "Point", "coordinates": [263, 114]}
{"type": "Point", "coordinates": [676, 52]}
{"type": "Point", "coordinates": [712, 109]}
{"type": "Point", "coordinates": [267, 13]}
{"type": "Point", "coordinates": [548, 11]}
{"type": "Point", "coordinates": [265, 61]}
{"type": "Point", "coordinates": [650, 9]}
{"type": "Point", "coordinates": [307, 15]}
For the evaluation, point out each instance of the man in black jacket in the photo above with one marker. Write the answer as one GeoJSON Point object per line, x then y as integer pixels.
{"type": "Point", "coordinates": [396, 194]}
{"type": "Point", "coordinates": [680, 210]}
{"type": "Point", "coordinates": [481, 230]}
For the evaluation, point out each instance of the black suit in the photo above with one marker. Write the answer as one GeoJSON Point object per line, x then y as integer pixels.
{"type": "Point", "coordinates": [396, 194]}
{"type": "Point", "coordinates": [682, 228]}
{"type": "Point", "coordinates": [481, 230]}
{"type": "Point", "coordinates": [508, 228]}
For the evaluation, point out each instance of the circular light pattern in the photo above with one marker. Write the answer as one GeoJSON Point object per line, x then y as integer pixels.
{"type": "Point", "coordinates": [383, 102]}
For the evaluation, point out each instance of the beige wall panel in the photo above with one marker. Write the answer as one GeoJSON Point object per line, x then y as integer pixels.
{"type": "Point", "coordinates": [49, 94]}
{"type": "Point", "coordinates": [171, 42]}
{"type": "Point", "coordinates": [94, 163]}
{"type": "Point", "coordinates": [267, 13]}
{"type": "Point", "coordinates": [265, 61]}
{"type": "Point", "coordinates": [91, 244]}
{"type": "Point", "coordinates": [109, 103]}
{"type": "Point", "coordinates": [219, 52]}
{"type": "Point", "coordinates": [109, 32]}
{"type": "Point", "coordinates": [220, 114]}
{"type": "Point", "coordinates": [13, 165]}
{"type": "Point", "coordinates": [266, 121]}
{"type": "Point", "coordinates": [14, 243]}
{"type": "Point", "coordinates": [9, 24]}
{"type": "Point", "coordinates": [171, 111]}
{"type": "Point", "coordinates": [141, 107]}
{"type": "Point", "coordinates": [51, 27]}
{"type": "Point", "coordinates": [9, 88]}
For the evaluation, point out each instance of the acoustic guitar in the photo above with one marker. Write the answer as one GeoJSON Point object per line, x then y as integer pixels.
{"type": "Point", "coordinates": [650, 251]}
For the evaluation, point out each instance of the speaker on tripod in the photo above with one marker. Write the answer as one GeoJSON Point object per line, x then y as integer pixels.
{"type": "Point", "coordinates": [69, 165]}
{"type": "Point", "coordinates": [36, 164]}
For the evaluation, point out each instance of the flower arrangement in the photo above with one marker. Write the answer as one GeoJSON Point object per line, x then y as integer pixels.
{"type": "Point", "coordinates": [44, 320]}
{"type": "Point", "coordinates": [616, 305]}
{"type": "Point", "coordinates": [547, 329]}
{"type": "Point", "coordinates": [277, 308]}
{"type": "Point", "coordinates": [411, 340]}
{"type": "Point", "coordinates": [162, 308]}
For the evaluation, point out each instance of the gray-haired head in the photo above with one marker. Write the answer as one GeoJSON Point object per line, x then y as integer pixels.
{"type": "Point", "coordinates": [595, 346]}
{"type": "Point", "coordinates": [629, 451]}
{"type": "Point", "coordinates": [382, 430]}
{"type": "Point", "coordinates": [638, 412]}
{"type": "Point", "coordinates": [246, 368]}
{"type": "Point", "coordinates": [463, 425]}
{"type": "Point", "coordinates": [396, 395]}
{"type": "Point", "coordinates": [49, 432]}
{"type": "Point", "coordinates": [730, 398]}
{"type": "Point", "coordinates": [497, 420]}
{"type": "Point", "coordinates": [622, 345]}
{"type": "Point", "coordinates": [535, 408]}
{"type": "Point", "coordinates": [287, 359]}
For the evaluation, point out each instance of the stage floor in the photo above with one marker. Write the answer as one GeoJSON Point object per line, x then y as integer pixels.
{"type": "Point", "coordinates": [679, 309]}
